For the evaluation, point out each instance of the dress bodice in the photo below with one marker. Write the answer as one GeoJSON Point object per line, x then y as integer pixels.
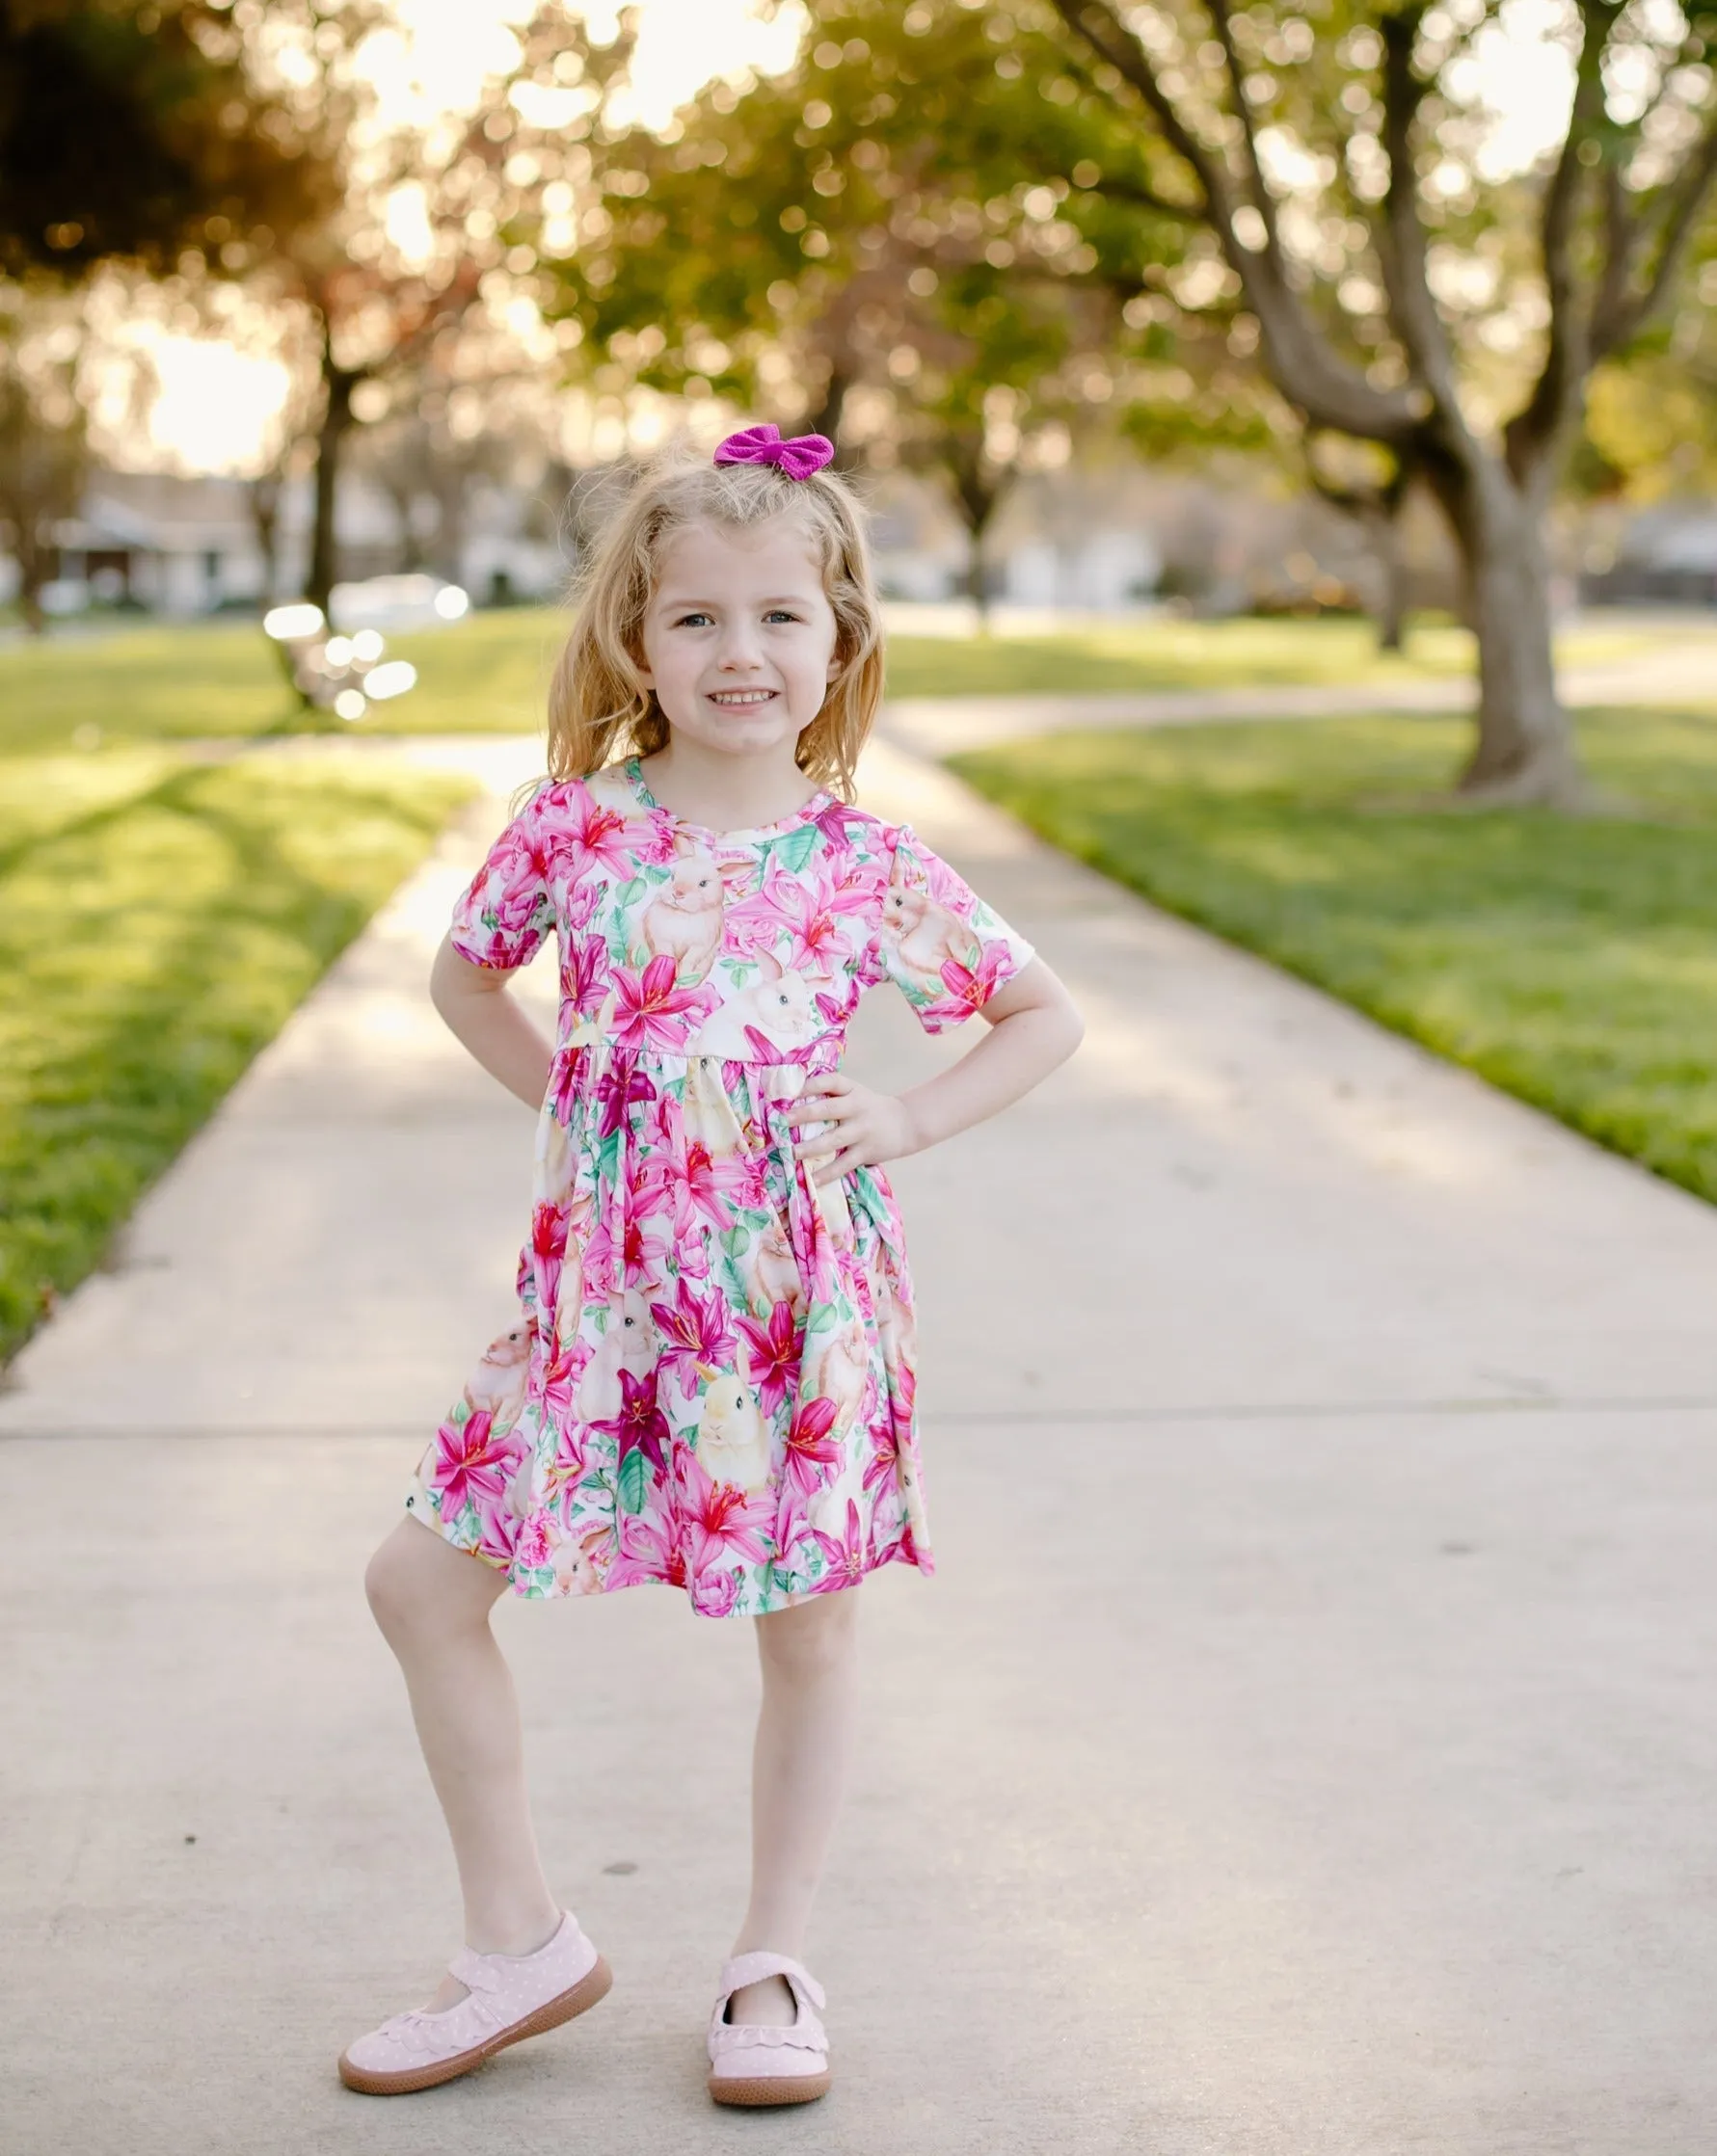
{"type": "Point", "coordinates": [751, 947]}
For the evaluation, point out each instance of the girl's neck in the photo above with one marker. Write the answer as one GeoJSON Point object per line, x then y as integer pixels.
{"type": "Point", "coordinates": [724, 792]}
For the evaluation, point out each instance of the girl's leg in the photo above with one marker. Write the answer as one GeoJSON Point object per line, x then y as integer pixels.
{"type": "Point", "coordinates": [433, 1602]}
{"type": "Point", "coordinates": [804, 1745]}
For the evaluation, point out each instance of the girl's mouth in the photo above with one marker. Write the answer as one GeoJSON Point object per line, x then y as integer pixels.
{"type": "Point", "coordinates": [742, 700]}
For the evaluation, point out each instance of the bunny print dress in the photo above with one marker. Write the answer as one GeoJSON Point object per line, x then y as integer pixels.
{"type": "Point", "coordinates": [711, 1379]}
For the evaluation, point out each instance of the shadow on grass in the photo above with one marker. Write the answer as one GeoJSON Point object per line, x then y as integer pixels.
{"type": "Point", "coordinates": [206, 966]}
{"type": "Point", "coordinates": [1571, 961]}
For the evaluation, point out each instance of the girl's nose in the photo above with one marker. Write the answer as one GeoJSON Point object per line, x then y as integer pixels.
{"type": "Point", "coordinates": [740, 649]}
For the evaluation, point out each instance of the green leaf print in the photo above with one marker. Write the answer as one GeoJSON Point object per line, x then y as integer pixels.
{"type": "Point", "coordinates": [735, 1239]}
{"type": "Point", "coordinates": [795, 850]}
{"type": "Point", "coordinates": [606, 1153]}
{"type": "Point", "coordinates": [732, 1282]}
{"type": "Point", "coordinates": [633, 1481]}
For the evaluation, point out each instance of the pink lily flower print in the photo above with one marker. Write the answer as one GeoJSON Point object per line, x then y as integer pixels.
{"type": "Point", "coordinates": [719, 1521]}
{"type": "Point", "coordinates": [697, 1337]}
{"type": "Point", "coordinates": [772, 1355]}
{"type": "Point", "coordinates": [649, 1011]}
{"type": "Point", "coordinates": [849, 1558]}
{"type": "Point", "coordinates": [971, 989]}
{"type": "Point", "coordinates": [640, 1426]}
{"type": "Point", "coordinates": [622, 1086]}
{"type": "Point", "coordinates": [584, 977]}
{"type": "Point", "coordinates": [819, 942]}
{"type": "Point", "coordinates": [547, 1245]}
{"type": "Point", "coordinates": [811, 1449]}
{"type": "Point", "coordinates": [709, 1185]}
{"type": "Point", "coordinates": [649, 1550]}
{"type": "Point", "coordinates": [595, 837]}
{"type": "Point", "coordinates": [470, 1462]}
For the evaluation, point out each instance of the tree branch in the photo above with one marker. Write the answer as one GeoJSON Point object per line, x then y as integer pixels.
{"type": "Point", "coordinates": [1142, 197]}
{"type": "Point", "coordinates": [1567, 354]}
{"type": "Point", "coordinates": [1401, 241]}
{"type": "Point", "coordinates": [1628, 308]}
{"type": "Point", "coordinates": [1263, 200]}
{"type": "Point", "coordinates": [1308, 372]}
{"type": "Point", "coordinates": [1096, 22]}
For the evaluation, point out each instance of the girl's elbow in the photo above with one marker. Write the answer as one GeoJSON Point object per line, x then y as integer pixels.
{"type": "Point", "coordinates": [454, 981]}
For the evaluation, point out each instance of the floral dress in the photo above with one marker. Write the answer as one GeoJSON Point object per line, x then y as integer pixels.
{"type": "Point", "coordinates": [711, 1379]}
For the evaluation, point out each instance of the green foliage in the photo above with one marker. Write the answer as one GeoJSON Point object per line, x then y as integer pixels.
{"type": "Point", "coordinates": [892, 216]}
{"type": "Point", "coordinates": [1571, 963]}
{"type": "Point", "coordinates": [160, 919]}
{"type": "Point", "coordinates": [141, 132]}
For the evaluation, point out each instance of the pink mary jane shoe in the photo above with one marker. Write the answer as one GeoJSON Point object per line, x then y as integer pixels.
{"type": "Point", "coordinates": [762, 2066]}
{"type": "Point", "coordinates": [511, 1996]}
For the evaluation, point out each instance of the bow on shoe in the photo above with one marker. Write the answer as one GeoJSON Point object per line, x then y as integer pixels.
{"type": "Point", "coordinates": [798, 458]}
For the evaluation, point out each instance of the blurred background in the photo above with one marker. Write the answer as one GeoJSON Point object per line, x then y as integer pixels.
{"type": "Point", "coordinates": [1201, 366]}
{"type": "Point", "coordinates": [304, 294]}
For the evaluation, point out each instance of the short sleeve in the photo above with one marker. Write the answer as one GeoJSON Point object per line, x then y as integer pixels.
{"type": "Point", "coordinates": [942, 946]}
{"type": "Point", "coordinates": [507, 908]}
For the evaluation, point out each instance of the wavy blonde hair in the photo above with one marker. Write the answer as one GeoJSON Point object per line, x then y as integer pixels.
{"type": "Point", "coordinates": [598, 709]}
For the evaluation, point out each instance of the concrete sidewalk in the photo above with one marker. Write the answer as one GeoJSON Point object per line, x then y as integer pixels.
{"type": "Point", "coordinates": [1306, 1747]}
{"type": "Point", "coordinates": [1683, 671]}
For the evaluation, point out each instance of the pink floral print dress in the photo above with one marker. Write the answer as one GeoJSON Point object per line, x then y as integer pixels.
{"type": "Point", "coordinates": [711, 1380]}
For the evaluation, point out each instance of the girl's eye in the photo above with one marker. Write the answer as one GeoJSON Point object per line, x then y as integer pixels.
{"type": "Point", "coordinates": [780, 614]}
{"type": "Point", "coordinates": [695, 620]}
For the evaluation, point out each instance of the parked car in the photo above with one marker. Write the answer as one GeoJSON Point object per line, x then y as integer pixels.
{"type": "Point", "coordinates": [415, 601]}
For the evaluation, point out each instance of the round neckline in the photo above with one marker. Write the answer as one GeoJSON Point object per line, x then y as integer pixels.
{"type": "Point", "coordinates": [807, 812]}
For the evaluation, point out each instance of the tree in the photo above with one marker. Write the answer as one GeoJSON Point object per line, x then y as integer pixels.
{"type": "Point", "coordinates": [1328, 165]}
{"type": "Point", "coordinates": [139, 132]}
{"type": "Point", "coordinates": [853, 251]}
{"type": "Point", "coordinates": [416, 263]}
{"type": "Point", "coordinates": [43, 438]}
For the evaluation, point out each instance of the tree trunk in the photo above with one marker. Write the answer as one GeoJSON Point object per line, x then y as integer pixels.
{"type": "Point", "coordinates": [32, 575]}
{"type": "Point", "coordinates": [977, 492]}
{"type": "Point", "coordinates": [1385, 526]}
{"type": "Point", "coordinates": [826, 420]}
{"type": "Point", "coordinates": [452, 484]}
{"type": "Point", "coordinates": [411, 547]}
{"type": "Point", "coordinates": [336, 422]}
{"type": "Point", "coordinates": [264, 493]}
{"type": "Point", "coordinates": [1525, 751]}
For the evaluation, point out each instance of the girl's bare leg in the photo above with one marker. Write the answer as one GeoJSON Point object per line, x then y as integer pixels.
{"type": "Point", "coordinates": [799, 1767]}
{"type": "Point", "coordinates": [433, 1604]}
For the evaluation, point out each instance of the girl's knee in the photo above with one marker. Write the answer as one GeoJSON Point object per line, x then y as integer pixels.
{"type": "Point", "coordinates": [812, 1640]}
{"type": "Point", "coordinates": [391, 1584]}
{"type": "Point", "coordinates": [414, 1580]}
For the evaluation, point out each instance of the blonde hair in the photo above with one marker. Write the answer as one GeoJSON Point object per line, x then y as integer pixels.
{"type": "Point", "coordinates": [597, 706]}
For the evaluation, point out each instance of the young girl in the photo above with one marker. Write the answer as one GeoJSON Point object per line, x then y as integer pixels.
{"type": "Point", "coordinates": [711, 1380]}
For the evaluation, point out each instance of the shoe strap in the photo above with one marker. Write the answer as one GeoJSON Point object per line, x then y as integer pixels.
{"type": "Point", "coordinates": [484, 1972]}
{"type": "Point", "coordinates": [762, 1962]}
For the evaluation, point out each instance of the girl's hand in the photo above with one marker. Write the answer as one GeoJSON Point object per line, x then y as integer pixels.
{"type": "Point", "coordinates": [865, 1127]}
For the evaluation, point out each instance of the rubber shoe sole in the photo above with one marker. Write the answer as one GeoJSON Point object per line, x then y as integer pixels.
{"type": "Point", "coordinates": [756, 2090]}
{"type": "Point", "coordinates": [584, 1994]}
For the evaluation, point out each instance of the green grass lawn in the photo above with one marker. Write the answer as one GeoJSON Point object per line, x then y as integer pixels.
{"type": "Point", "coordinates": [160, 919]}
{"type": "Point", "coordinates": [488, 674]}
{"type": "Point", "coordinates": [1571, 963]}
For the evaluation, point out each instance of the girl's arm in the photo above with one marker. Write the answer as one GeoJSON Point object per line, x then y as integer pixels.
{"type": "Point", "coordinates": [1034, 1027]}
{"type": "Point", "coordinates": [474, 1002]}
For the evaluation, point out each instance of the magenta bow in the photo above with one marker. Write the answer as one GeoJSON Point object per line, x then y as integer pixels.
{"type": "Point", "coordinates": [798, 457]}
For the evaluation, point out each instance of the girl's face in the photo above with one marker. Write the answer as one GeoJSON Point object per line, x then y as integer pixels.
{"type": "Point", "coordinates": [739, 637]}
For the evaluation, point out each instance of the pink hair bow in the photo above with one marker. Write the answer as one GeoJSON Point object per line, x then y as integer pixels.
{"type": "Point", "coordinates": [798, 458]}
